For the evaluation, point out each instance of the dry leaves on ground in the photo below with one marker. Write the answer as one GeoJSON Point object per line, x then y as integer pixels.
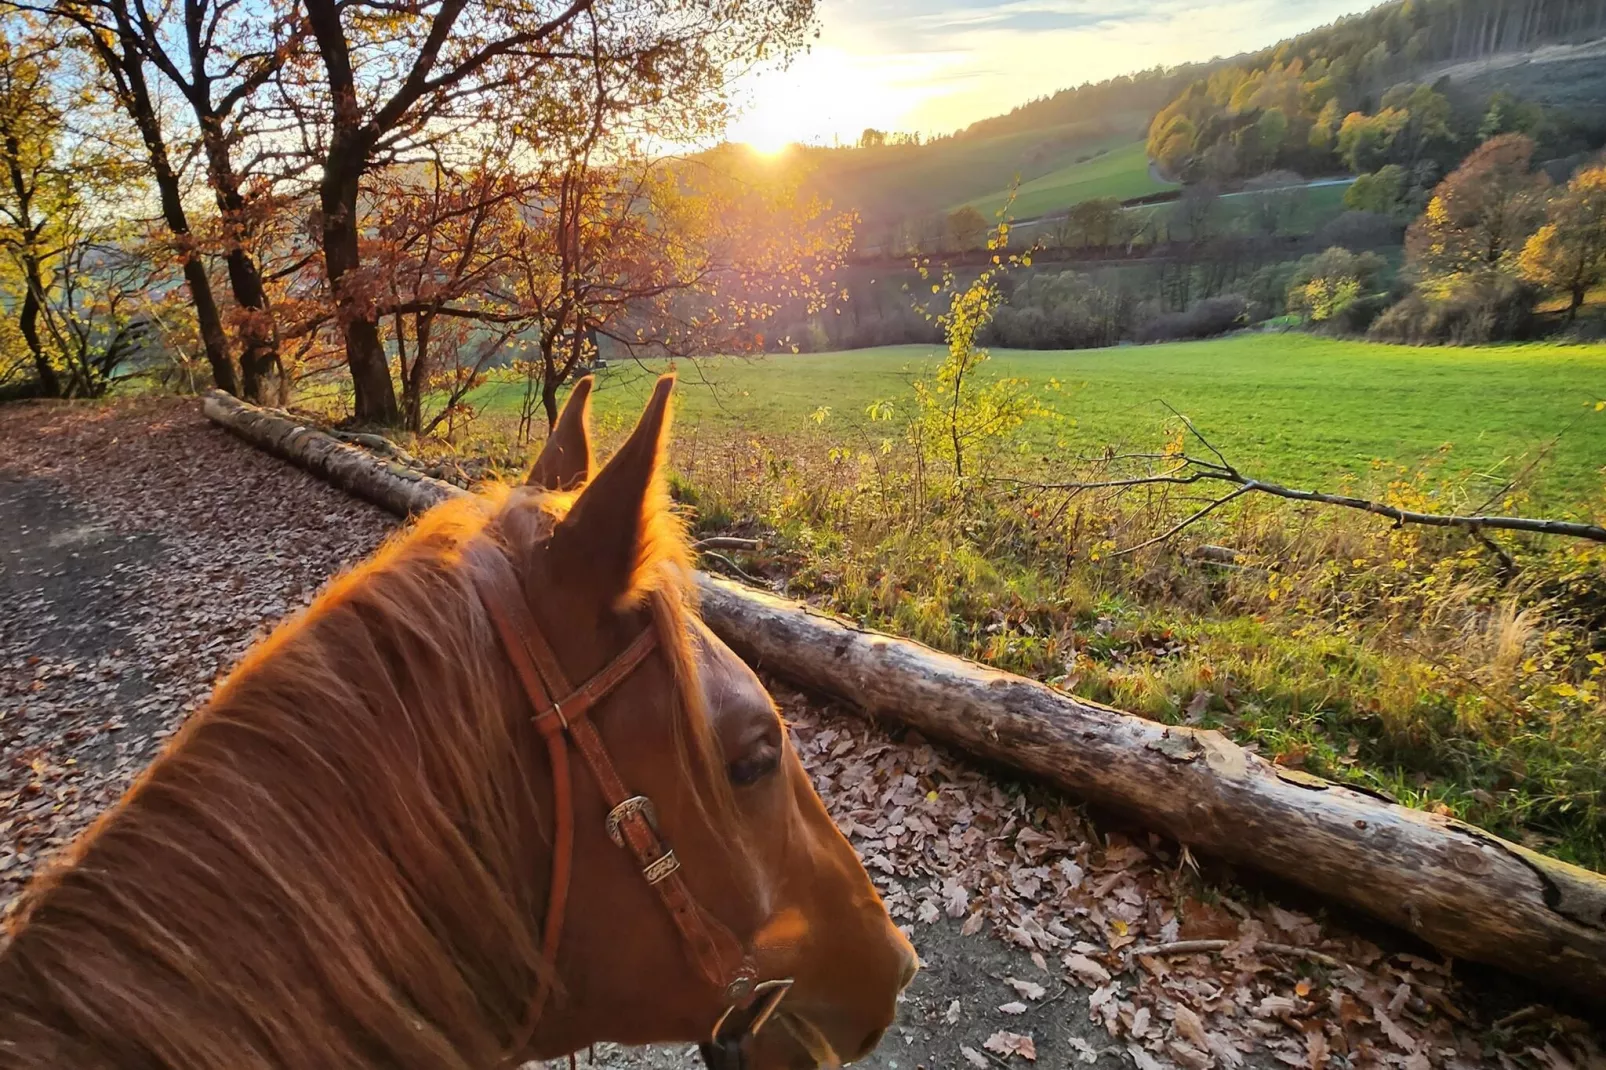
{"type": "Point", "coordinates": [943, 839]}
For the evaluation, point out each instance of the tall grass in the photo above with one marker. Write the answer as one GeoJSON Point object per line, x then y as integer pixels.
{"type": "Point", "coordinates": [1408, 661]}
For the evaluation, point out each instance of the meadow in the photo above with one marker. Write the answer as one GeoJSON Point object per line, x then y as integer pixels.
{"type": "Point", "coordinates": [1121, 170]}
{"type": "Point", "coordinates": [1456, 675]}
{"type": "Point", "coordinates": [1286, 407]}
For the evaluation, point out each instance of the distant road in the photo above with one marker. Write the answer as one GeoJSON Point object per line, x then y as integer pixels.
{"type": "Point", "coordinates": [1315, 183]}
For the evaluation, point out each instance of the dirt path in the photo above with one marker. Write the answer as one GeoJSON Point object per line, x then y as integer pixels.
{"type": "Point", "coordinates": [142, 551]}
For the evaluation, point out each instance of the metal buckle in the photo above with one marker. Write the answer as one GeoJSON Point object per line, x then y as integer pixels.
{"type": "Point", "coordinates": [636, 804]}
{"type": "Point", "coordinates": [726, 1047]}
{"type": "Point", "coordinates": [660, 868]}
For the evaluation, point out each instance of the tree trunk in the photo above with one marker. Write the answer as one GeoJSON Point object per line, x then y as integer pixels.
{"type": "Point", "coordinates": [214, 342]}
{"type": "Point", "coordinates": [374, 396]}
{"type": "Point", "coordinates": [128, 72]}
{"type": "Point", "coordinates": [28, 323]}
{"type": "Point", "coordinates": [350, 142]}
{"type": "Point", "coordinates": [1467, 892]}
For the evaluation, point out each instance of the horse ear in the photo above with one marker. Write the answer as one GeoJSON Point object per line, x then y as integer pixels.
{"type": "Point", "coordinates": [565, 461]}
{"type": "Point", "coordinates": [604, 533]}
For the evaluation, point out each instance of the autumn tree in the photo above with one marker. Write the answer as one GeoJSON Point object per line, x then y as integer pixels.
{"type": "Point", "coordinates": [1096, 222]}
{"type": "Point", "coordinates": [1568, 253]}
{"type": "Point", "coordinates": [36, 193]}
{"type": "Point", "coordinates": [110, 33]}
{"type": "Point", "coordinates": [1382, 192]}
{"type": "Point", "coordinates": [1365, 142]}
{"type": "Point", "coordinates": [218, 56]}
{"type": "Point", "coordinates": [966, 228]}
{"type": "Point", "coordinates": [391, 82]}
{"type": "Point", "coordinates": [447, 239]}
{"type": "Point", "coordinates": [1481, 214]}
{"type": "Point", "coordinates": [657, 259]}
{"type": "Point", "coordinates": [78, 288]}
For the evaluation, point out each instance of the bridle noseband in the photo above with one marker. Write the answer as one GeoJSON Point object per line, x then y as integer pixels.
{"type": "Point", "coordinates": [631, 823]}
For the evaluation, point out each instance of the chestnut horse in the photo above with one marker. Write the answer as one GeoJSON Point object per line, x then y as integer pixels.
{"type": "Point", "coordinates": [351, 857]}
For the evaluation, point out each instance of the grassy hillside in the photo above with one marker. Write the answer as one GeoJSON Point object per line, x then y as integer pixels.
{"type": "Point", "coordinates": [897, 182]}
{"type": "Point", "coordinates": [1117, 169]}
{"type": "Point", "coordinates": [1289, 407]}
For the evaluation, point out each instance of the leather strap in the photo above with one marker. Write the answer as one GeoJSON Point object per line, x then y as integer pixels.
{"type": "Point", "coordinates": [714, 949]}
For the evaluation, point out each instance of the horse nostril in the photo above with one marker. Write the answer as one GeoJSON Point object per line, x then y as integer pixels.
{"type": "Point", "coordinates": [911, 963]}
{"type": "Point", "coordinates": [870, 1044]}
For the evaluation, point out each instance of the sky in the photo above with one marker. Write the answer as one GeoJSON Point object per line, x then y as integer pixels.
{"type": "Point", "coordinates": [934, 66]}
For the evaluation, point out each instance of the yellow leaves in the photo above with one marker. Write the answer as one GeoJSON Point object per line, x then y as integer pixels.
{"type": "Point", "coordinates": [1600, 406]}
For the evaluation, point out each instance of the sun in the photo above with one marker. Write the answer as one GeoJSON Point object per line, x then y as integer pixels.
{"type": "Point", "coordinates": [827, 96]}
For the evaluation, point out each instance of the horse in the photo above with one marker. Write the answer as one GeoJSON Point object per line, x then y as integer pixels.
{"type": "Point", "coordinates": [398, 836]}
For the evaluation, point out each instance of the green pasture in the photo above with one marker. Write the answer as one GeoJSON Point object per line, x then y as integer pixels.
{"type": "Point", "coordinates": [1285, 407]}
{"type": "Point", "coordinates": [1122, 171]}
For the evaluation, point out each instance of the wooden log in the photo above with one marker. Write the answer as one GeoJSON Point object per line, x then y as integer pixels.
{"type": "Point", "coordinates": [393, 487]}
{"type": "Point", "coordinates": [1463, 890]}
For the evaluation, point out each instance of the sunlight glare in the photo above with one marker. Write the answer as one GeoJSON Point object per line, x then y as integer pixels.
{"type": "Point", "coordinates": [826, 97]}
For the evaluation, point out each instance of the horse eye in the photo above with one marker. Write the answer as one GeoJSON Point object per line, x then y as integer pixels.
{"type": "Point", "coordinates": [755, 766]}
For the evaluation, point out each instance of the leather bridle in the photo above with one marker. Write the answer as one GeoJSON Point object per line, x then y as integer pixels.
{"type": "Point", "coordinates": [631, 823]}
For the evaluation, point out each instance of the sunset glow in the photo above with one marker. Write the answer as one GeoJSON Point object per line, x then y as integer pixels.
{"type": "Point", "coordinates": [830, 95]}
{"type": "Point", "coordinates": [934, 66]}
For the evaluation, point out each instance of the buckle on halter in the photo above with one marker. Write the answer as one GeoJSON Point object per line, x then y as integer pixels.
{"type": "Point", "coordinates": [636, 804]}
{"type": "Point", "coordinates": [661, 867]}
{"type": "Point", "coordinates": [727, 1047]}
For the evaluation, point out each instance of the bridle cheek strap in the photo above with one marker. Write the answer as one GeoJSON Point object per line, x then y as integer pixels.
{"type": "Point", "coordinates": [632, 821]}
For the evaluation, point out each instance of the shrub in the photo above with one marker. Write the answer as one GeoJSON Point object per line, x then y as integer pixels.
{"type": "Point", "coordinates": [1212, 316]}
{"type": "Point", "coordinates": [1061, 310]}
{"type": "Point", "coordinates": [1267, 290]}
{"type": "Point", "coordinates": [1491, 307]}
{"type": "Point", "coordinates": [1361, 230]}
{"type": "Point", "coordinates": [1336, 290]}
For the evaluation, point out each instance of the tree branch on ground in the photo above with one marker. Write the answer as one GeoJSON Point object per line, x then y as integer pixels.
{"type": "Point", "coordinates": [1187, 469]}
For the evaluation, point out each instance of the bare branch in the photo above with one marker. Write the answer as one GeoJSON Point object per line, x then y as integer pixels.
{"type": "Point", "coordinates": [1199, 515]}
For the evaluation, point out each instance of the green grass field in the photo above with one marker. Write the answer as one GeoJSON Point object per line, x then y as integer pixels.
{"type": "Point", "coordinates": [1293, 408]}
{"type": "Point", "coordinates": [1235, 214]}
{"type": "Point", "coordinates": [1121, 172]}
{"type": "Point", "coordinates": [903, 181]}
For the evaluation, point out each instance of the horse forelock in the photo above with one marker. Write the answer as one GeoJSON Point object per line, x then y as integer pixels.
{"type": "Point", "coordinates": [341, 860]}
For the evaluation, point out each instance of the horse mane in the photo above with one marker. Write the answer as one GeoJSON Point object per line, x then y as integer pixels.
{"type": "Point", "coordinates": [341, 861]}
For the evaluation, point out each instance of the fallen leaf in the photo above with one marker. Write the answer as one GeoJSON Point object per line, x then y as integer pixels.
{"type": "Point", "coordinates": [1397, 1036]}
{"type": "Point", "coordinates": [1027, 989]}
{"type": "Point", "coordinates": [1086, 970]}
{"type": "Point", "coordinates": [1188, 1055]}
{"type": "Point", "coordinates": [1143, 1059]}
{"type": "Point", "coordinates": [974, 1057]}
{"type": "Point", "coordinates": [1315, 1049]}
{"type": "Point", "coordinates": [1007, 1043]}
{"type": "Point", "coordinates": [1190, 1028]}
{"type": "Point", "coordinates": [951, 1015]}
{"type": "Point", "coordinates": [1014, 1007]}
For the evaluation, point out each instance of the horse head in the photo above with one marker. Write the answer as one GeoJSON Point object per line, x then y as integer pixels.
{"type": "Point", "coordinates": [398, 837]}
{"type": "Point", "coordinates": [695, 732]}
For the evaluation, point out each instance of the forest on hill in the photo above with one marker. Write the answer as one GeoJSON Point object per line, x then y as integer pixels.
{"type": "Point", "coordinates": [1415, 83]}
{"type": "Point", "coordinates": [1350, 96]}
